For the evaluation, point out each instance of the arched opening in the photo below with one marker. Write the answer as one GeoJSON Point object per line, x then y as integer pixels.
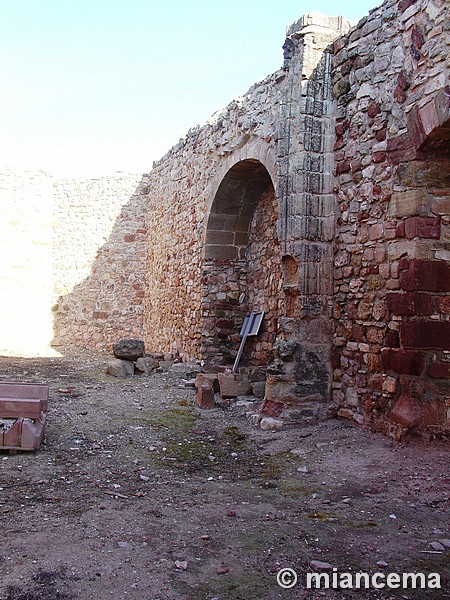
{"type": "Point", "coordinates": [242, 264]}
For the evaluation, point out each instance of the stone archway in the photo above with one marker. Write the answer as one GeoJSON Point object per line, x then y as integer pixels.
{"type": "Point", "coordinates": [241, 263]}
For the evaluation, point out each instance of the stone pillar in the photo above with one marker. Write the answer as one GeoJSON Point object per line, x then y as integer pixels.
{"type": "Point", "coordinates": [307, 212]}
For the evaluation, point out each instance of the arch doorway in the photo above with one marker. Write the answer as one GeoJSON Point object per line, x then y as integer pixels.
{"type": "Point", "coordinates": [241, 265]}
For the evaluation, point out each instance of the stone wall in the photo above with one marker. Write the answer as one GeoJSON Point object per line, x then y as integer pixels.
{"type": "Point", "coordinates": [73, 261]}
{"type": "Point", "coordinates": [391, 244]}
{"type": "Point", "coordinates": [321, 197]}
{"type": "Point", "coordinates": [194, 307]}
{"type": "Point", "coordinates": [99, 260]}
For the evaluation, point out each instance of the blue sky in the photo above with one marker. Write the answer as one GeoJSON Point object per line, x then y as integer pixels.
{"type": "Point", "coordinates": [96, 86]}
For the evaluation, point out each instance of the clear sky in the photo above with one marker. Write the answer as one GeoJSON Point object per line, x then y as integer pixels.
{"type": "Point", "coordinates": [97, 86]}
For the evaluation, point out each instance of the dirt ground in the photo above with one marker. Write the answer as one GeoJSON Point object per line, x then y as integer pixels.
{"type": "Point", "coordinates": [136, 493]}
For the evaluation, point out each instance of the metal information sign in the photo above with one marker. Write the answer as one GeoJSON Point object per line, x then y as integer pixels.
{"type": "Point", "coordinates": [250, 326]}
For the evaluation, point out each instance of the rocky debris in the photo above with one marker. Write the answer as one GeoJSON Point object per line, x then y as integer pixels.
{"type": "Point", "coordinates": [129, 349]}
{"type": "Point", "coordinates": [145, 364]}
{"type": "Point", "coordinates": [269, 424]}
{"type": "Point", "coordinates": [318, 565]}
{"type": "Point", "coordinates": [120, 368]}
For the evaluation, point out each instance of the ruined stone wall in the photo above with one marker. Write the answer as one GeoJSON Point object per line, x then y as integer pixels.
{"type": "Point", "coordinates": [73, 261]}
{"type": "Point", "coordinates": [264, 279]}
{"type": "Point", "coordinates": [182, 289]}
{"type": "Point", "coordinates": [391, 245]}
{"type": "Point", "coordinates": [99, 260]}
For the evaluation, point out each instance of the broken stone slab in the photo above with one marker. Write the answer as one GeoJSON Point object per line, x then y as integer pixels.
{"type": "Point", "coordinates": [145, 365]}
{"type": "Point", "coordinates": [207, 378]}
{"type": "Point", "coordinates": [120, 368]}
{"type": "Point", "coordinates": [233, 385]}
{"type": "Point", "coordinates": [129, 349]}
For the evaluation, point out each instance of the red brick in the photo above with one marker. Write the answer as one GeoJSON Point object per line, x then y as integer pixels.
{"type": "Point", "coordinates": [402, 361]}
{"type": "Point", "coordinates": [401, 148]}
{"type": "Point", "coordinates": [426, 334]}
{"type": "Point", "coordinates": [405, 4]}
{"type": "Point", "coordinates": [100, 315]}
{"type": "Point", "coordinates": [423, 227]}
{"type": "Point", "coordinates": [272, 409]}
{"type": "Point", "coordinates": [130, 237]}
{"type": "Point", "coordinates": [440, 370]}
{"type": "Point", "coordinates": [205, 396]}
{"type": "Point", "coordinates": [225, 324]}
{"type": "Point", "coordinates": [415, 127]}
{"type": "Point", "coordinates": [207, 379]}
{"type": "Point", "coordinates": [411, 412]}
{"type": "Point", "coordinates": [426, 275]}
{"type": "Point", "coordinates": [410, 303]}
{"type": "Point", "coordinates": [400, 230]}
{"type": "Point", "coordinates": [380, 135]}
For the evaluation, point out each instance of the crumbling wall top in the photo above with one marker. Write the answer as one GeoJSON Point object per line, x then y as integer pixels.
{"type": "Point", "coordinates": [315, 22]}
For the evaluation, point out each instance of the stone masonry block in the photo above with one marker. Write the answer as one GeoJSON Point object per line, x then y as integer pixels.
{"type": "Point", "coordinates": [440, 370]}
{"type": "Point", "coordinates": [423, 227]}
{"type": "Point", "coordinates": [120, 368]}
{"type": "Point", "coordinates": [407, 362]}
{"type": "Point", "coordinates": [233, 385]}
{"type": "Point", "coordinates": [408, 203]}
{"type": "Point", "coordinates": [426, 275]}
{"type": "Point", "coordinates": [205, 396]}
{"type": "Point", "coordinates": [410, 303]}
{"type": "Point", "coordinates": [12, 437]}
{"type": "Point", "coordinates": [207, 379]}
{"type": "Point", "coordinates": [128, 349]}
{"type": "Point", "coordinates": [411, 412]}
{"type": "Point", "coordinates": [426, 334]}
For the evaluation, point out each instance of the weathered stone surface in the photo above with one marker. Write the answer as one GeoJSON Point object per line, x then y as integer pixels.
{"type": "Point", "coordinates": [207, 379]}
{"type": "Point", "coordinates": [272, 409]}
{"type": "Point", "coordinates": [259, 388]}
{"type": "Point", "coordinates": [233, 385]}
{"type": "Point", "coordinates": [408, 362]}
{"type": "Point", "coordinates": [120, 368]}
{"type": "Point", "coordinates": [205, 395]}
{"type": "Point", "coordinates": [127, 349]}
{"type": "Point", "coordinates": [426, 334]}
{"type": "Point", "coordinates": [269, 424]}
{"type": "Point", "coordinates": [412, 412]}
{"type": "Point", "coordinates": [145, 364]}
